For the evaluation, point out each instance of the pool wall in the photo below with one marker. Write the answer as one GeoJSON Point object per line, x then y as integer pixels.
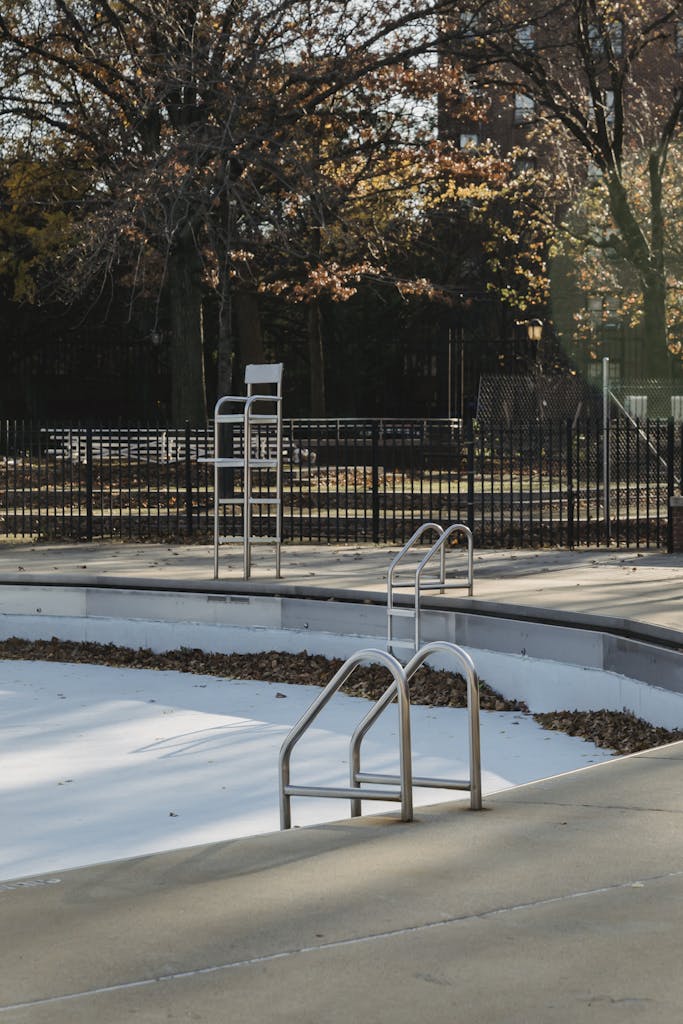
{"type": "Point", "coordinates": [549, 664]}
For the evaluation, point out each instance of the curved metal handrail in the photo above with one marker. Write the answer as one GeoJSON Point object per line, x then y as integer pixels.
{"type": "Point", "coordinates": [398, 687]}
{"type": "Point", "coordinates": [440, 547]}
{"type": "Point", "coordinates": [391, 574]}
{"type": "Point", "coordinates": [419, 584]}
{"type": "Point", "coordinates": [407, 547]}
{"type": "Point", "coordinates": [473, 785]}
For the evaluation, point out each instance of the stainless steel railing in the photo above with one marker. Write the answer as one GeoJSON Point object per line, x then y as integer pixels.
{"type": "Point", "coordinates": [473, 784]}
{"type": "Point", "coordinates": [420, 583]}
{"type": "Point", "coordinates": [399, 689]}
{"type": "Point", "coordinates": [404, 781]}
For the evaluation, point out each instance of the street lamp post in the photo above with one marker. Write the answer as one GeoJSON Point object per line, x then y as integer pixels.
{"type": "Point", "coordinates": [534, 332]}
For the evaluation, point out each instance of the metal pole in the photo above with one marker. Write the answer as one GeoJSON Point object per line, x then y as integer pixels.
{"type": "Point", "coordinates": [670, 449]}
{"type": "Point", "coordinates": [462, 375]}
{"type": "Point", "coordinates": [216, 494]}
{"type": "Point", "coordinates": [188, 478]}
{"type": "Point", "coordinates": [605, 448]}
{"type": "Point", "coordinates": [570, 484]}
{"type": "Point", "coordinates": [278, 488]}
{"type": "Point", "coordinates": [450, 373]}
{"type": "Point", "coordinates": [88, 484]}
{"type": "Point", "coordinates": [246, 491]}
{"type": "Point", "coordinates": [374, 489]}
{"type": "Point", "coordinates": [469, 441]}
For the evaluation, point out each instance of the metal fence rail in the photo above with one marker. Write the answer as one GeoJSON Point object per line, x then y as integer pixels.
{"type": "Point", "coordinates": [523, 485]}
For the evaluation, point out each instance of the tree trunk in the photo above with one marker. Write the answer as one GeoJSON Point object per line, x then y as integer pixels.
{"type": "Point", "coordinates": [647, 257]}
{"type": "Point", "coordinates": [249, 328]}
{"type": "Point", "coordinates": [184, 283]}
{"type": "Point", "coordinates": [316, 353]}
{"type": "Point", "coordinates": [226, 342]}
{"type": "Point", "coordinates": [657, 361]}
{"type": "Point", "coordinates": [249, 347]}
{"type": "Point", "coordinates": [316, 359]}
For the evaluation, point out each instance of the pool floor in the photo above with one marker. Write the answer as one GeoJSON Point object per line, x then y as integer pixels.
{"type": "Point", "coordinates": [99, 764]}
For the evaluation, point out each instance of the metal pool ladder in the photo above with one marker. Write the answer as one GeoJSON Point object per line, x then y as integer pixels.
{"type": "Point", "coordinates": [420, 583]}
{"type": "Point", "coordinates": [399, 689]}
{"type": "Point", "coordinates": [404, 781]}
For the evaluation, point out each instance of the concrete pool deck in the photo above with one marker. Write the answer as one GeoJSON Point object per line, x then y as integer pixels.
{"type": "Point", "coordinates": [560, 902]}
{"type": "Point", "coordinates": [643, 586]}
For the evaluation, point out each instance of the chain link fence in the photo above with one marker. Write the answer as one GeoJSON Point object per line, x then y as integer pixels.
{"type": "Point", "coordinates": [536, 398]}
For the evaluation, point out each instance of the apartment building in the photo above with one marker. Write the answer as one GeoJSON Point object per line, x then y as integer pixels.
{"type": "Point", "coordinates": [585, 90]}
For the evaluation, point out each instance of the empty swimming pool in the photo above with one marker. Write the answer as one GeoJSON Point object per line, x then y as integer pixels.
{"type": "Point", "coordinates": [102, 763]}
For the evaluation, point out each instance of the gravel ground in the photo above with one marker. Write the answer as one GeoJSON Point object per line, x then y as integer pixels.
{"type": "Point", "coordinates": [619, 731]}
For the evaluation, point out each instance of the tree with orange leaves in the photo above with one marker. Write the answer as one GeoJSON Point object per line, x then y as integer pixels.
{"type": "Point", "coordinates": [599, 89]}
{"type": "Point", "coordinates": [187, 122]}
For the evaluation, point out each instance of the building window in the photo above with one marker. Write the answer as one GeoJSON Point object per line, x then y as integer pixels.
{"type": "Point", "coordinates": [524, 108]}
{"type": "Point", "coordinates": [607, 106]}
{"type": "Point", "coordinates": [594, 370]}
{"type": "Point", "coordinates": [610, 312]}
{"type": "Point", "coordinates": [597, 40]}
{"type": "Point", "coordinates": [468, 140]}
{"type": "Point", "coordinates": [525, 37]}
{"type": "Point", "coordinates": [603, 311]}
{"type": "Point", "coordinates": [594, 307]}
{"type": "Point", "coordinates": [616, 36]}
{"type": "Point", "coordinates": [470, 22]}
{"type": "Point", "coordinates": [471, 86]}
{"type": "Point", "coordinates": [525, 163]}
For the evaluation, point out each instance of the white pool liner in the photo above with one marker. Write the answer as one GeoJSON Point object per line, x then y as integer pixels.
{"type": "Point", "coordinates": [98, 764]}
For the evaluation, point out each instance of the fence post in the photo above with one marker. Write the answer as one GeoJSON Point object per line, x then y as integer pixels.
{"type": "Point", "coordinates": [670, 482]}
{"type": "Point", "coordinates": [570, 484]}
{"type": "Point", "coordinates": [606, 468]}
{"type": "Point", "coordinates": [469, 441]}
{"type": "Point", "coordinates": [188, 479]}
{"type": "Point", "coordinates": [88, 483]}
{"type": "Point", "coordinates": [375, 481]}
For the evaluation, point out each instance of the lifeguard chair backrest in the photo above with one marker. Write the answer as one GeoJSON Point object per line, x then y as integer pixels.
{"type": "Point", "coordinates": [263, 373]}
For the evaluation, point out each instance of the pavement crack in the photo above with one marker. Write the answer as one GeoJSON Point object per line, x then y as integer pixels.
{"type": "Point", "coordinates": [324, 947]}
{"type": "Point", "coordinates": [598, 806]}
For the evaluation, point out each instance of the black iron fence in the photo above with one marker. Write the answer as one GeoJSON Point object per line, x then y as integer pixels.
{"type": "Point", "coordinates": [522, 485]}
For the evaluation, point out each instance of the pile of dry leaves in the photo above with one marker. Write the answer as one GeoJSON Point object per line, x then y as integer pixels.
{"type": "Point", "coordinates": [619, 731]}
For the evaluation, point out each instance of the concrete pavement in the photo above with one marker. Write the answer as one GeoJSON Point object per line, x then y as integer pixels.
{"type": "Point", "coordinates": [645, 585]}
{"type": "Point", "coordinates": [560, 902]}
